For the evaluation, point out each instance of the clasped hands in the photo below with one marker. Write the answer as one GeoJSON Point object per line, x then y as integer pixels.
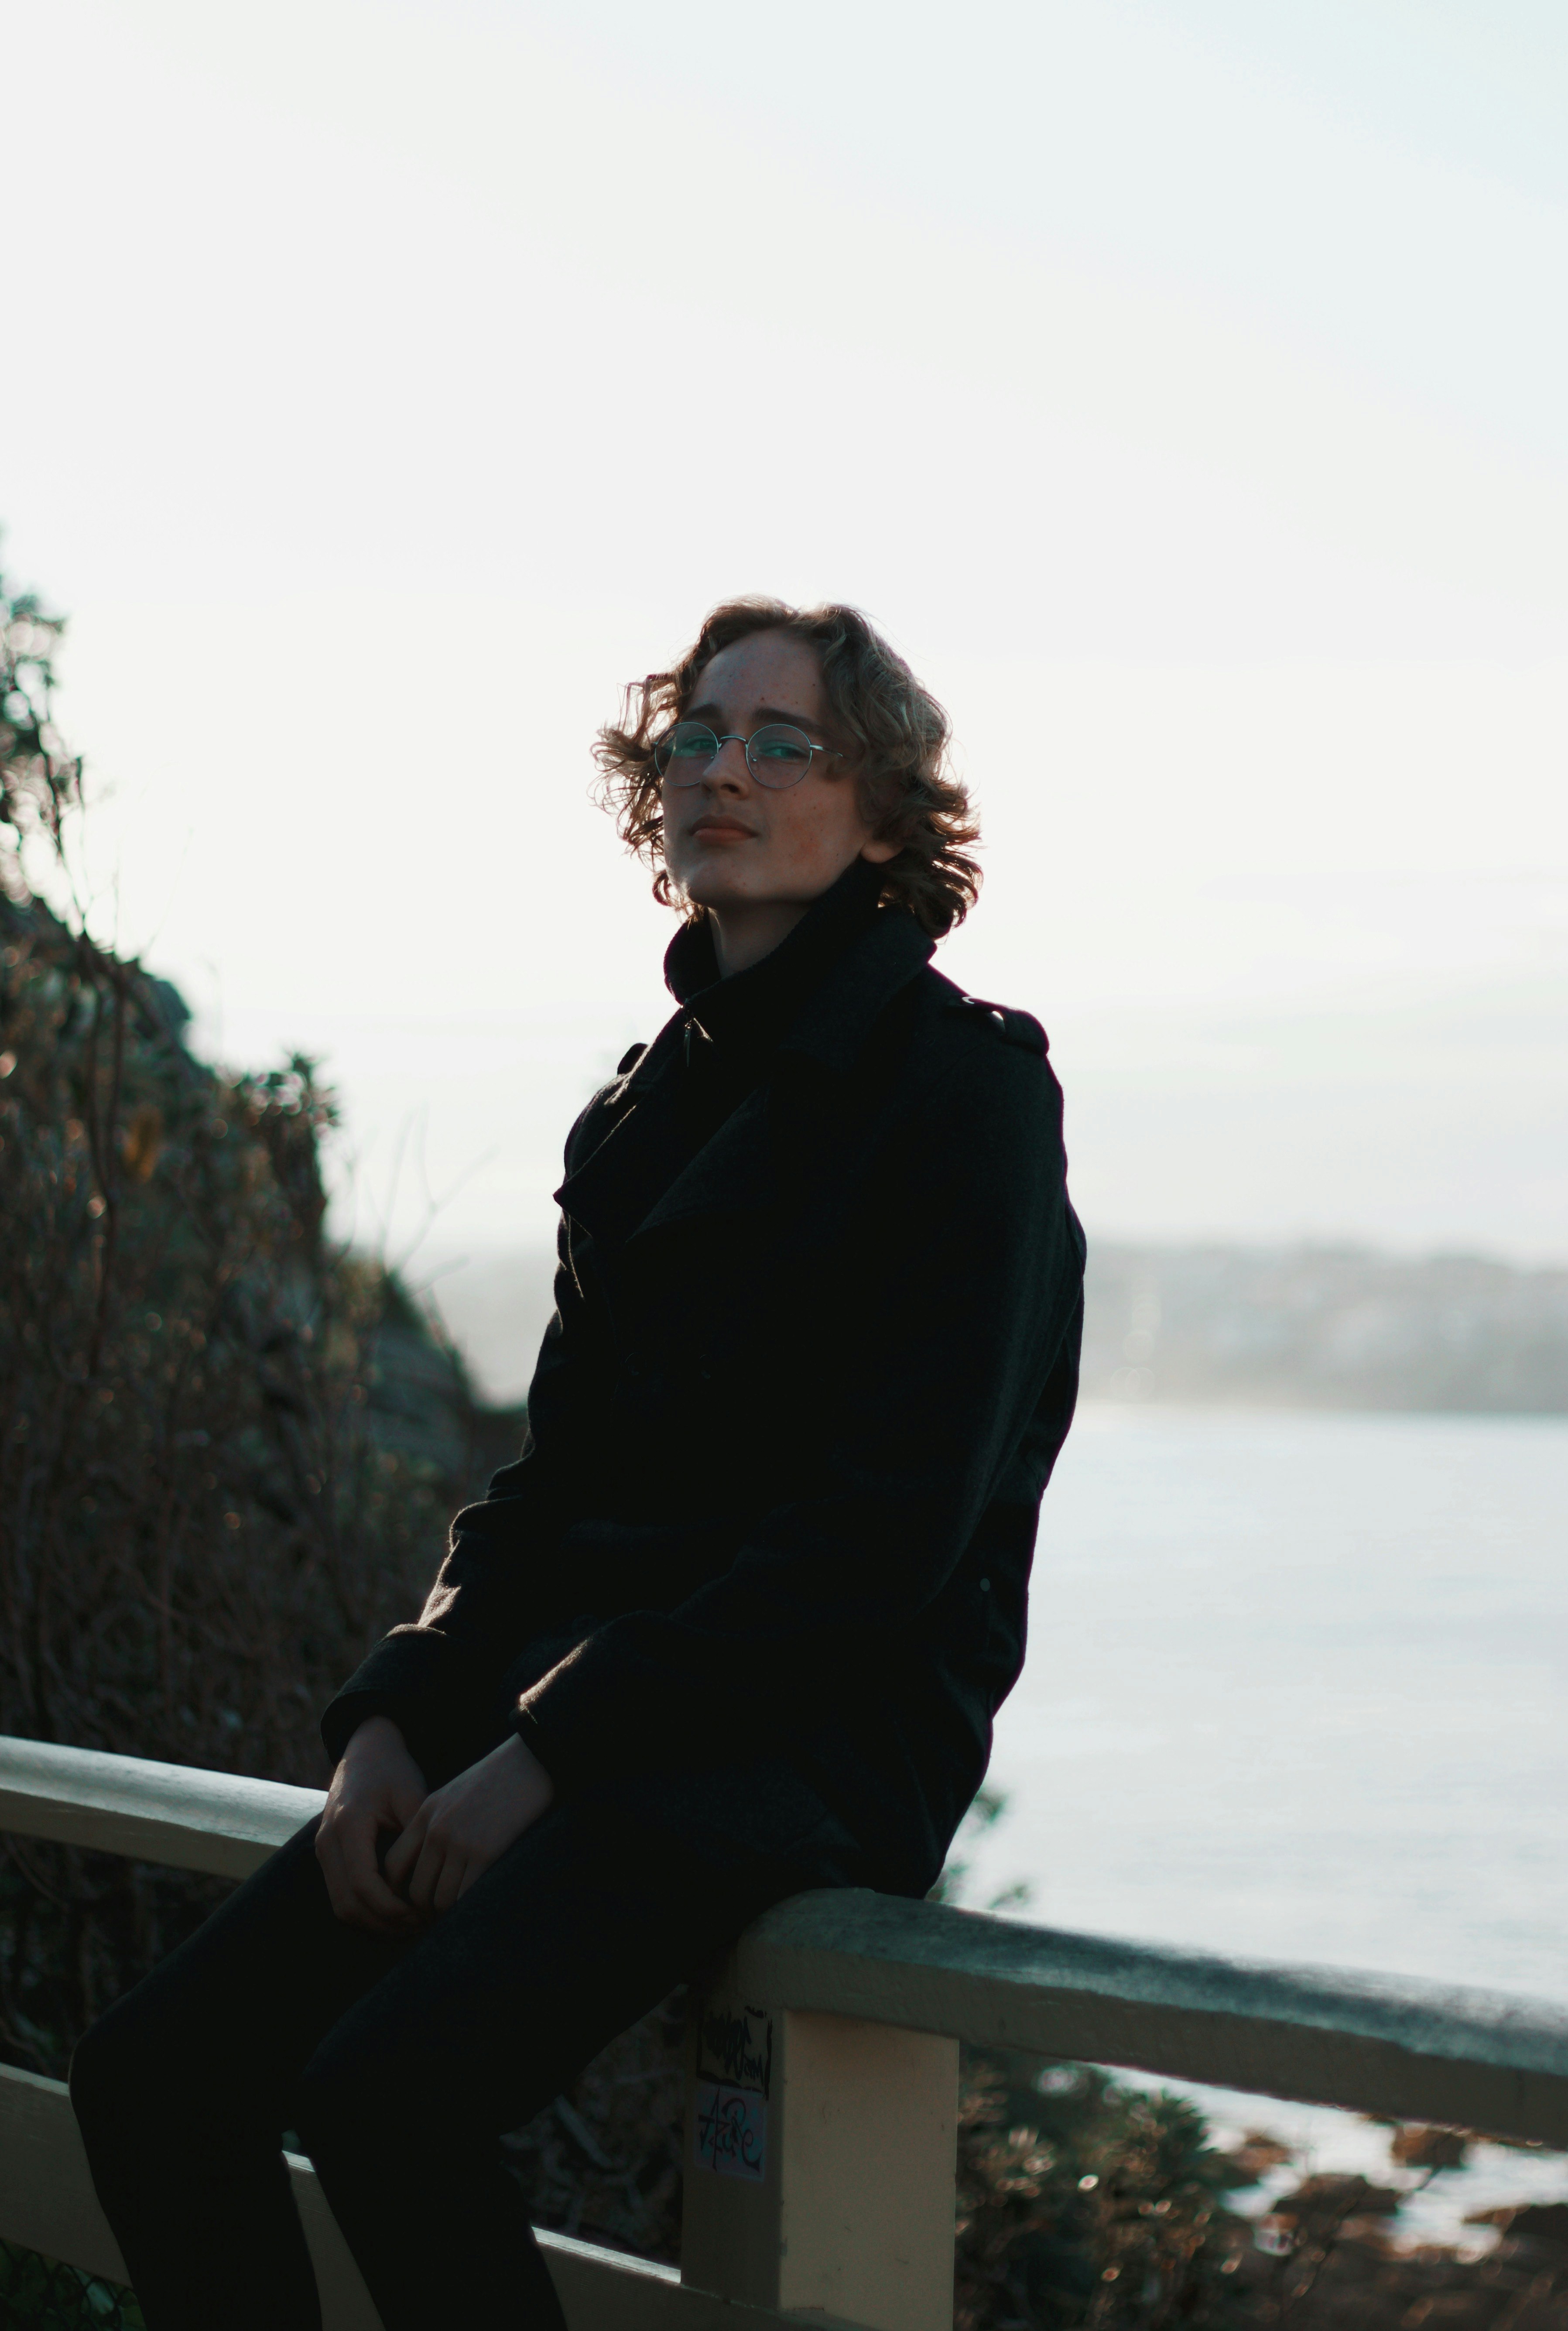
{"type": "Point", "coordinates": [443, 1838]}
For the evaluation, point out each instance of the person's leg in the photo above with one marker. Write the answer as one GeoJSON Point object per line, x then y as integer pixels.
{"type": "Point", "coordinates": [581, 1927]}
{"type": "Point", "coordinates": [184, 2088]}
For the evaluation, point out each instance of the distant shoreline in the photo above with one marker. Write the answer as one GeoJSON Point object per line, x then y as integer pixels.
{"type": "Point", "coordinates": [1310, 1326]}
{"type": "Point", "coordinates": [1303, 1326]}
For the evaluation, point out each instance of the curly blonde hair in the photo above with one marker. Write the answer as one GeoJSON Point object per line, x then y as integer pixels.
{"type": "Point", "coordinates": [908, 795]}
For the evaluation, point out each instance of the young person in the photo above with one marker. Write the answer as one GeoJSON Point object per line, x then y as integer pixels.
{"type": "Point", "coordinates": [738, 1621]}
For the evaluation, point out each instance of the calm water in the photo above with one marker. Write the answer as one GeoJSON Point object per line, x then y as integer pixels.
{"type": "Point", "coordinates": [1296, 1687]}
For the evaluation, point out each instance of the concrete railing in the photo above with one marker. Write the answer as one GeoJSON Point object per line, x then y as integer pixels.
{"type": "Point", "coordinates": [823, 2070]}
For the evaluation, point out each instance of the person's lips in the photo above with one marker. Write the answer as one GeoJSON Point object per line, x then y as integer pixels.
{"type": "Point", "coordinates": [719, 828]}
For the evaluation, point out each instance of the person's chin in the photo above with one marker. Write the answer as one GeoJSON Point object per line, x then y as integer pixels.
{"type": "Point", "coordinates": [718, 886]}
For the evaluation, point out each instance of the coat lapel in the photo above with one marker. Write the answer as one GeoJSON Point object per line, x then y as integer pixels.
{"type": "Point", "coordinates": [634, 1180]}
{"type": "Point", "coordinates": [732, 1174]}
{"type": "Point", "coordinates": [607, 1193]}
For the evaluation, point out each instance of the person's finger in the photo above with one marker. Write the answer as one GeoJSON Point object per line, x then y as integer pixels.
{"type": "Point", "coordinates": [398, 1919]}
{"type": "Point", "coordinates": [368, 1890]}
{"type": "Point", "coordinates": [381, 1912]}
{"type": "Point", "coordinates": [329, 1854]}
{"type": "Point", "coordinates": [425, 1875]}
{"type": "Point", "coordinates": [373, 1894]}
{"type": "Point", "coordinates": [454, 1877]}
{"type": "Point", "coordinates": [337, 1869]}
{"type": "Point", "coordinates": [405, 1851]}
{"type": "Point", "coordinates": [471, 1869]}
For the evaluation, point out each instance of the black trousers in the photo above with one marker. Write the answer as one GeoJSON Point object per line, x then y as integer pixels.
{"type": "Point", "coordinates": [399, 2063]}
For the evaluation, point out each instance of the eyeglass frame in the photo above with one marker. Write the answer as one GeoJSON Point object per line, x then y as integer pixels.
{"type": "Point", "coordinates": [828, 752]}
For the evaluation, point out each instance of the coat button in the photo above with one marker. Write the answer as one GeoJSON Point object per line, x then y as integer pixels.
{"type": "Point", "coordinates": [1000, 1021]}
{"type": "Point", "coordinates": [985, 1586]}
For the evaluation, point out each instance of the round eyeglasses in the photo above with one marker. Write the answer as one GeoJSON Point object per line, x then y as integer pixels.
{"type": "Point", "coordinates": [777, 755]}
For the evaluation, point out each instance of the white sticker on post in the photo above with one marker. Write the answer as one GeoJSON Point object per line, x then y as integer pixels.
{"type": "Point", "coordinates": [729, 2130]}
{"type": "Point", "coordinates": [734, 2045]}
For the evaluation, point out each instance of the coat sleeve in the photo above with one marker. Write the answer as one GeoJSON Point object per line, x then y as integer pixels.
{"type": "Point", "coordinates": [928, 1378]}
{"type": "Point", "coordinates": [499, 1583]}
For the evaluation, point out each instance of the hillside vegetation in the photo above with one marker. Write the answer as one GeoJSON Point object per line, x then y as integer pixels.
{"type": "Point", "coordinates": [229, 1448]}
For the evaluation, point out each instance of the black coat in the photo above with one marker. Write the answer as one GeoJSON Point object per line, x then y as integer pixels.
{"type": "Point", "coordinates": [762, 1568]}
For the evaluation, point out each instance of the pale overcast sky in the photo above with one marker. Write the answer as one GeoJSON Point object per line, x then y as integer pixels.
{"type": "Point", "coordinates": [1183, 386]}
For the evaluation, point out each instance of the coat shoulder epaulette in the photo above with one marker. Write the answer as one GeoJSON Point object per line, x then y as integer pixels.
{"type": "Point", "coordinates": [630, 1059]}
{"type": "Point", "coordinates": [1009, 1027]}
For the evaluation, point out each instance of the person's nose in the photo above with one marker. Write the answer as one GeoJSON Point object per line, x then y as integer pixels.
{"type": "Point", "coordinates": [728, 771]}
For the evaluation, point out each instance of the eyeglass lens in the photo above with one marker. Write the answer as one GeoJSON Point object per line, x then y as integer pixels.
{"type": "Point", "coordinates": [776, 755]}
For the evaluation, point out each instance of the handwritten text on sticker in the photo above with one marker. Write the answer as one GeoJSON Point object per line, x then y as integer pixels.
{"type": "Point", "coordinates": [729, 2131]}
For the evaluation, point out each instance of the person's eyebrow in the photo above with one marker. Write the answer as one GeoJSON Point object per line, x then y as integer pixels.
{"type": "Point", "coordinates": [768, 716]}
{"type": "Point", "coordinates": [770, 712]}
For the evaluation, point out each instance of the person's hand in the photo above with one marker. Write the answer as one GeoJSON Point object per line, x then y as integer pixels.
{"type": "Point", "coordinates": [461, 1829]}
{"type": "Point", "coordinates": [376, 1788]}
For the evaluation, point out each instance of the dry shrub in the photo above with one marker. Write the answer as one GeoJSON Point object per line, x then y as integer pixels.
{"type": "Point", "coordinates": [229, 1448]}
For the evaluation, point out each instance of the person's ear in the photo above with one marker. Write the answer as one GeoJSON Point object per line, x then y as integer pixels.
{"type": "Point", "coordinates": [878, 853]}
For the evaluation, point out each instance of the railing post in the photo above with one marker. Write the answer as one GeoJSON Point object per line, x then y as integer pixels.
{"type": "Point", "coordinates": [821, 2153]}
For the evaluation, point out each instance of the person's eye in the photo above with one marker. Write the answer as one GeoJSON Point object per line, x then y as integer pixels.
{"type": "Point", "coordinates": [693, 745]}
{"type": "Point", "coordinates": [775, 748]}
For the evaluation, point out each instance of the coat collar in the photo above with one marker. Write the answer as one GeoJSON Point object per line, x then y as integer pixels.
{"type": "Point", "coordinates": [734, 1170]}
{"type": "Point", "coordinates": [838, 1017]}
{"type": "Point", "coordinates": [752, 1009]}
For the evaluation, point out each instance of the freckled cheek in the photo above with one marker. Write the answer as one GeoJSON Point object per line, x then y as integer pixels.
{"type": "Point", "coordinates": [811, 838]}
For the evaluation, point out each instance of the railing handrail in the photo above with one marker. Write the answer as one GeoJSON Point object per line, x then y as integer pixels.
{"type": "Point", "coordinates": [1390, 2045]}
{"type": "Point", "coordinates": [182, 1816]}
{"type": "Point", "coordinates": [1374, 2043]}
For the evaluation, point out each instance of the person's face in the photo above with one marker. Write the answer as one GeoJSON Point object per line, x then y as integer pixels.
{"type": "Point", "coordinates": [730, 843]}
